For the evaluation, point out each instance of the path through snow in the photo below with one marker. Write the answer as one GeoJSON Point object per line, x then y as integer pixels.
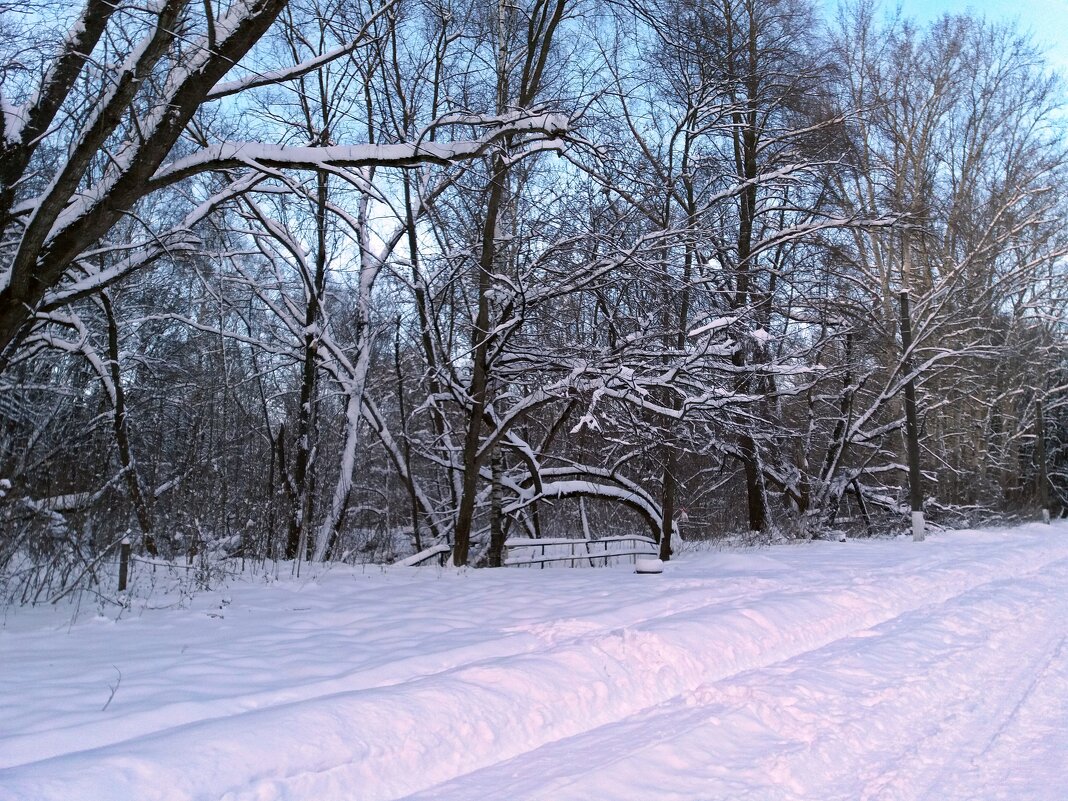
{"type": "Point", "coordinates": [863, 670]}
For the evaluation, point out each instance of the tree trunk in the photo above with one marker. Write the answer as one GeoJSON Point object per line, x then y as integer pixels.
{"type": "Point", "coordinates": [1040, 457]}
{"type": "Point", "coordinates": [122, 434]}
{"type": "Point", "coordinates": [478, 391]}
{"type": "Point", "coordinates": [912, 428]}
{"type": "Point", "coordinates": [667, 503]}
{"type": "Point", "coordinates": [496, 544]}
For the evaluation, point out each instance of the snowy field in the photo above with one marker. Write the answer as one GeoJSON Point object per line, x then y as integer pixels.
{"type": "Point", "coordinates": [853, 671]}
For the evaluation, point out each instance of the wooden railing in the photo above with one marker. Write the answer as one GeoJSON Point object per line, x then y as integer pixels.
{"type": "Point", "coordinates": [522, 552]}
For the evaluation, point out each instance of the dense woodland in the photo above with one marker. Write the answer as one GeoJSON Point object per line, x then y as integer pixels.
{"type": "Point", "coordinates": [342, 279]}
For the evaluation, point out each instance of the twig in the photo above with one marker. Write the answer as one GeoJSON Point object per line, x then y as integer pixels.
{"type": "Point", "coordinates": [114, 688]}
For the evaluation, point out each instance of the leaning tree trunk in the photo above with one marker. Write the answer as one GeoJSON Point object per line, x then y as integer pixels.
{"type": "Point", "coordinates": [122, 434]}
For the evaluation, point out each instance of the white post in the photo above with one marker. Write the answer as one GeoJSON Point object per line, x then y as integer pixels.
{"type": "Point", "coordinates": [919, 529]}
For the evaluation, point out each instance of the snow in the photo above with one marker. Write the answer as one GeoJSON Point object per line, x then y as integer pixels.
{"type": "Point", "coordinates": [260, 154]}
{"type": "Point", "coordinates": [760, 336]}
{"type": "Point", "coordinates": [712, 325]}
{"type": "Point", "coordinates": [861, 670]}
{"type": "Point", "coordinates": [13, 121]}
{"type": "Point", "coordinates": [586, 421]}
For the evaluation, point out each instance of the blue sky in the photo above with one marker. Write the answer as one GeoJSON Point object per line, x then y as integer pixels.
{"type": "Point", "coordinates": [1046, 19]}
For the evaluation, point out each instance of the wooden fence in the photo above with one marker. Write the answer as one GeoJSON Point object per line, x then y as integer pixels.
{"type": "Point", "coordinates": [523, 552]}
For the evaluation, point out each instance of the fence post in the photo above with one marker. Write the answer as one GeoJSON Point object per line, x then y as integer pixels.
{"type": "Point", "coordinates": [124, 562]}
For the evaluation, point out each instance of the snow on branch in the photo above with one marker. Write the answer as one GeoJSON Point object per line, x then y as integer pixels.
{"type": "Point", "coordinates": [259, 79]}
{"type": "Point", "coordinates": [230, 155]}
{"type": "Point", "coordinates": [179, 239]}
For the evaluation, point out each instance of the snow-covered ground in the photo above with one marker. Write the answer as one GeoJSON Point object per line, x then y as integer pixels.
{"type": "Point", "coordinates": [858, 670]}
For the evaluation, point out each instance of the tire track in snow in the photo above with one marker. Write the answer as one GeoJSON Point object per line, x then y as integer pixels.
{"type": "Point", "coordinates": [983, 759]}
{"type": "Point", "coordinates": [987, 683]}
{"type": "Point", "coordinates": [774, 732]}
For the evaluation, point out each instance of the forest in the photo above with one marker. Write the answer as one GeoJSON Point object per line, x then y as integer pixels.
{"type": "Point", "coordinates": [345, 279]}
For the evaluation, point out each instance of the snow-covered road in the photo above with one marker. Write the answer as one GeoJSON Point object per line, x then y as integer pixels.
{"type": "Point", "coordinates": [859, 670]}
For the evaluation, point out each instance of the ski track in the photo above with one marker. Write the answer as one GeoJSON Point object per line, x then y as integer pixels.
{"type": "Point", "coordinates": [653, 713]}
